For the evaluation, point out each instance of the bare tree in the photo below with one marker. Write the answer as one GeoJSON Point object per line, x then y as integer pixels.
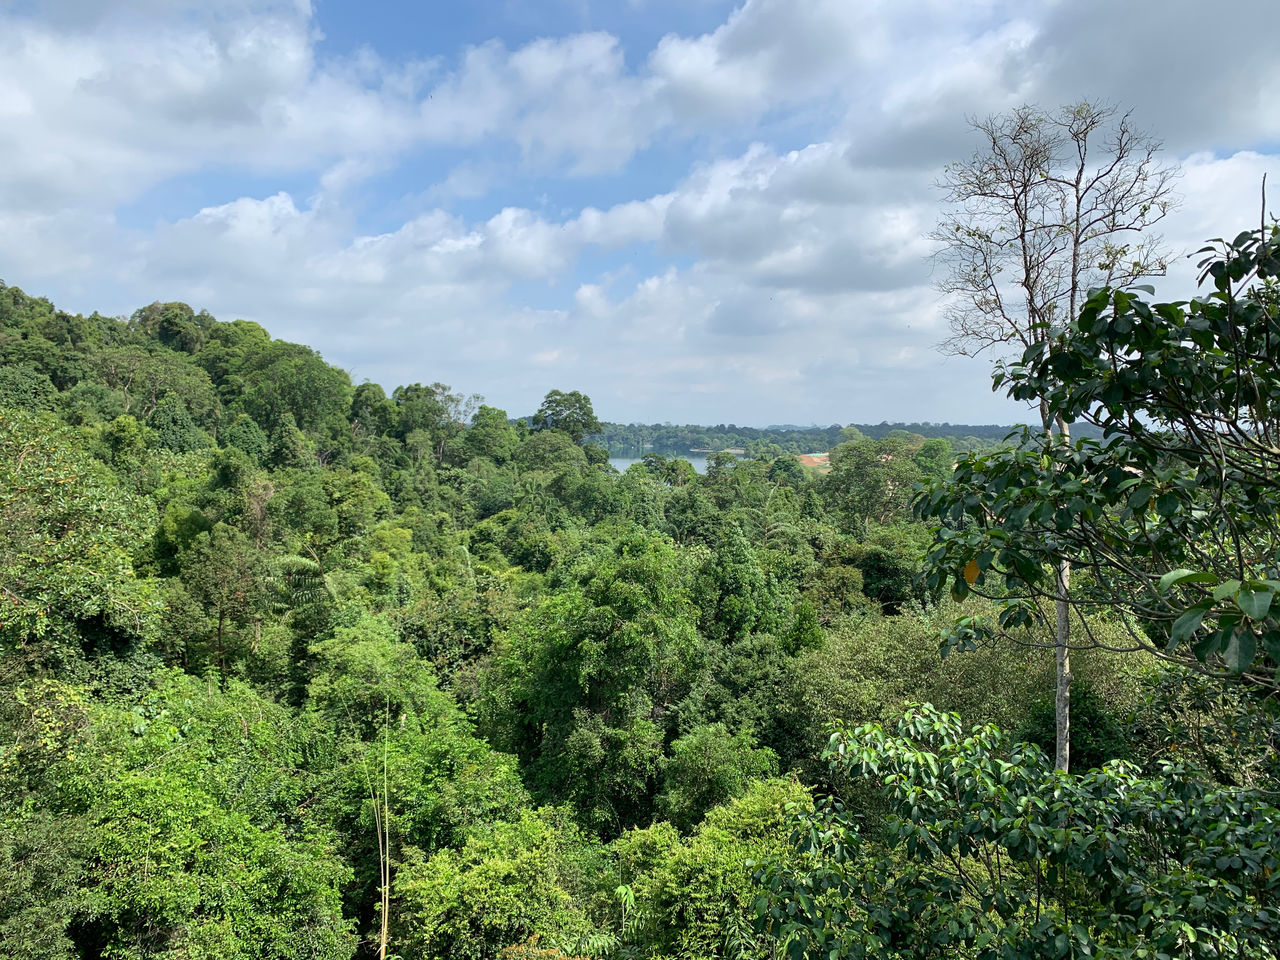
{"type": "Point", "coordinates": [1053, 204]}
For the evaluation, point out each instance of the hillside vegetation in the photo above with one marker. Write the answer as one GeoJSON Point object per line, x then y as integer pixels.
{"type": "Point", "coordinates": [292, 668]}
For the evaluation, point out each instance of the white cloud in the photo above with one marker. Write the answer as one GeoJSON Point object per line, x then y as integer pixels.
{"type": "Point", "coordinates": [785, 280]}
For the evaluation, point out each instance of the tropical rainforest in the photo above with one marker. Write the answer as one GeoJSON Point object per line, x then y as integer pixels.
{"type": "Point", "coordinates": [294, 668]}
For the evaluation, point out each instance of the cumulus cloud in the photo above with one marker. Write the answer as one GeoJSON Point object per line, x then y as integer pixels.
{"type": "Point", "coordinates": [775, 271]}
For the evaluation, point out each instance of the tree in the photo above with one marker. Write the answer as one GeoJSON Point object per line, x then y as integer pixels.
{"type": "Point", "coordinates": [569, 413]}
{"type": "Point", "coordinates": [490, 435]}
{"type": "Point", "coordinates": [173, 324]}
{"type": "Point", "coordinates": [223, 571]}
{"type": "Point", "coordinates": [435, 411]}
{"type": "Point", "coordinates": [514, 881]}
{"type": "Point", "coordinates": [67, 532]}
{"type": "Point", "coordinates": [585, 683]}
{"type": "Point", "coordinates": [870, 481]}
{"type": "Point", "coordinates": [1053, 204]}
{"type": "Point", "coordinates": [707, 767]}
{"type": "Point", "coordinates": [986, 852]}
{"type": "Point", "coordinates": [410, 772]}
{"type": "Point", "coordinates": [178, 822]}
{"type": "Point", "coordinates": [1175, 515]}
{"type": "Point", "coordinates": [25, 388]}
{"type": "Point", "coordinates": [173, 426]}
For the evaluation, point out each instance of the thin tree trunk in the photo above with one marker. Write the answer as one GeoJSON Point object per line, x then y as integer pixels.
{"type": "Point", "coordinates": [1062, 695]}
{"type": "Point", "coordinates": [1062, 638]}
{"type": "Point", "coordinates": [222, 663]}
{"type": "Point", "coordinates": [385, 843]}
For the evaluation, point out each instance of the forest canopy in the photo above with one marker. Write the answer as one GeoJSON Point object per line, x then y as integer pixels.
{"type": "Point", "coordinates": [294, 667]}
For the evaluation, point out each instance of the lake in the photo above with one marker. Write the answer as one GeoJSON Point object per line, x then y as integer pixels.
{"type": "Point", "coordinates": [699, 461]}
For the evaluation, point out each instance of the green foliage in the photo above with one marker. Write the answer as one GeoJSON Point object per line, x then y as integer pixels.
{"type": "Point", "coordinates": [58, 505]}
{"type": "Point", "coordinates": [245, 435]}
{"type": "Point", "coordinates": [694, 898]}
{"type": "Point", "coordinates": [872, 667]}
{"type": "Point", "coordinates": [870, 481]}
{"type": "Point", "coordinates": [252, 692]}
{"type": "Point", "coordinates": [569, 413]}
{"type": "Point", "coordinates": [708, 766]}
{"type": "Point", "coordinates": [735, 595]}
{"type": "Point", "coordinates": [289, 447]}
{"type": "Point", "coordinates": [986, 851]}
{"type": "Point", "coordinates": [1097, 734]}
{"type": "Point", "coordinates": [403, 750]}
{"type": "Point", "coordinates": [551, 450]}
{"type": "Point", "coordinates": [285, 378]}
{"type": "Point", "coordinates": [44, 860]}
{"type": "Point", "coordinates": [508, 883]}
{"type": "Point", "coordinates": [25, 388]}
{"type": "Point", "coordinates": [1174, 513]}
{"type": "Point", "coordinates": [580, 679]}
{"type": "Point", "coordinates": [183, 834]}
{"type": "Point", "coordinates": [173, 426]}
{"type": "Point", "coordinates": [492, 436]}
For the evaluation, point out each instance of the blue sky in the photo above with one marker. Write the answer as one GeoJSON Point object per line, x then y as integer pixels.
{"type": "Point", "coordinates": [692, 211]}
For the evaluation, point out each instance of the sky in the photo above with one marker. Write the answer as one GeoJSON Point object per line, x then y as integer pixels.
{"type": "Point", "coordinates": [691, 210]}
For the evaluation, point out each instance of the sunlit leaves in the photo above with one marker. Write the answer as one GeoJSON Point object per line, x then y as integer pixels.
{"type": "Point", "coordinates": [987, 852]}
{"type": "Point", "coordinates": [1175, 514]}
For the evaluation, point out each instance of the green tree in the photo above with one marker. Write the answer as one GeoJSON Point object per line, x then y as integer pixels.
{"type": "Point", "coordinates": [694, 897]}
{"type": "Point", "coordinates": [408, 771]}
{"type": "Point", "coordinates": [225, 572]}
{"type": "Point", "coordinates": [986, 851]}
{"type": "Point", "coordinates": [1052, 205]}
{"type": "Point", "coordinates": [580, 684]}
{"type": "Point", "coordinates": [173, 324]}
{"type": "Point", "coordinates": [508, 883]}
{"type": "Point", "coordinates": [1175, 512]}
{"type": "Point", "coordinates": [281, 378]}
{"type": "Point", "coordinates": [707, 767]}
{"type": "Point", "coordinates": [184, 822]}
{"type": "Point", "coordinates": [67, 534]}
{"type": "Point", "coordinates": [570, 413]}
{"type": "Point", "coordinates": [491, 435]}
{"type": "Point", "coordinates": [173, 426]}
{"type": "Point", "coordinates": [245, 434]}
{"type": "Point", "coordinates": [871, 481]}
{"type": "Point", "coordinates": [24, 388]}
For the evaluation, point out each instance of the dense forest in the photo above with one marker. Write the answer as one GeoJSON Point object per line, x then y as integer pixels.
{"type": "Point", "coordinates": [638, 439]}
{"type": "Point", "coordinates": [293, 668]}
{"type": "Point", "coordinates": [269, 634]}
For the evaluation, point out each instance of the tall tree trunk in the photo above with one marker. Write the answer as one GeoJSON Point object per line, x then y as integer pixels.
{"type": "Point", "coordinates": [383, 824]}
{"type": "Point", "coordinates": [1062, 695]}
{"type": "Point", "coordinates": [1062, 638]}
{"type": "Point", "coordinates": [222, 663]}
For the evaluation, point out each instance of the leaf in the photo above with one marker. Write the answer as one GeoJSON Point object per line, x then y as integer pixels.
{"type": "Point", "coordinates": [1226, 589]}
{"type": "Point", "coordinates": [1182, 575]}
{"type": "Point", "coordinates": [1240, 650]}
{"type": "Point", "coordinates": [1188, 623]}
{"type": "Point", "coordinates": [1271, 643]}
{"type": "Point", "coordinates": [1254, 600]}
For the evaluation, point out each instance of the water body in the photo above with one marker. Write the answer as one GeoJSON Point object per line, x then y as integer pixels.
{"type": "Point", "coordinates": [699, 461]}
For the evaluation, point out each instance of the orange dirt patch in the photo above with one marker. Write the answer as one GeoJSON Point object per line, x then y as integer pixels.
{"type": "Point", "coordinates": [820, 460]}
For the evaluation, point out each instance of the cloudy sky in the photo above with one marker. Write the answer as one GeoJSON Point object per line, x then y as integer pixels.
{"type": "Point", "coordinates": [691, 210]}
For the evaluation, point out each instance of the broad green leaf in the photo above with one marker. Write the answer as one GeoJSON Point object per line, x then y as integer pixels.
{"type": "Point", "coordinates": [1182, 575]}
{"type": "Point", "coordinates": [1241, 649]}
{"type": "Point", "coordinates": [1226, 589]}
{"type": "Point", "coordinates": [1188, 623]}
{"type": "Point", "coordinates": [1254, 600]}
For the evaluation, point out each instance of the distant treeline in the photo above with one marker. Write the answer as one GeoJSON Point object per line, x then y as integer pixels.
{"type": "Point", "coordinates": [637, 439]}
